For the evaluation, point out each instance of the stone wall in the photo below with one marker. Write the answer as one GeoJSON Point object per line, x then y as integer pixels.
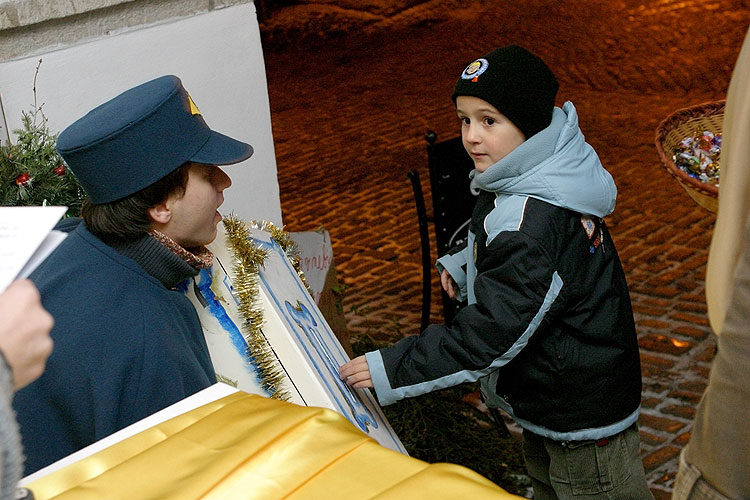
{"type": "Point", "coordinates": [29, 27]}
{"type": "Point", "coordinates": [94, 49]}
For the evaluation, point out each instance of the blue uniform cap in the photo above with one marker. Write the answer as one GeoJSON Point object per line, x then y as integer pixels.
{"type": "Point", "coordinates": [139, 137]}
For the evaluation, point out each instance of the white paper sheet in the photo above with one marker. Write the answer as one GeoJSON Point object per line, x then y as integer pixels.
{"type": "Point", "coordinates": [25, 239]}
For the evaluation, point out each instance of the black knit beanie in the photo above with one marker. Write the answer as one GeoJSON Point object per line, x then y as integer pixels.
{"type": "Point", "coordinates": [514, 81]}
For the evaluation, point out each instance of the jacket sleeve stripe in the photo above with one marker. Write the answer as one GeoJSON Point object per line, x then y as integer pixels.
{"type": "Point", "coordinates": [552, 293]}
{"type": "Point", "coordinates": [387, 395]}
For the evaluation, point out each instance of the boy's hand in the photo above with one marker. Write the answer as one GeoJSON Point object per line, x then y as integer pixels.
{"type": "Point", "coordinates": [356, 373]}
{"type": "Point", "coordinates": [449, 285]}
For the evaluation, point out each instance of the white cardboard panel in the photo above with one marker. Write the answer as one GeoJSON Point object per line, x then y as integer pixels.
{"type": "Point", "coordinates": [305, 347]}
{"type": "Point", "coordinates": [316, 258]}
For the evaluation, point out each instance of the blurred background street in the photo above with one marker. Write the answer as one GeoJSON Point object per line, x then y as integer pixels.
{"type": "Point", "coordinates": [354, 85]}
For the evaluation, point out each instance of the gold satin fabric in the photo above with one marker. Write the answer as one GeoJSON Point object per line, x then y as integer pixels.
{"type": "Point", "coordinates": [246, 447]}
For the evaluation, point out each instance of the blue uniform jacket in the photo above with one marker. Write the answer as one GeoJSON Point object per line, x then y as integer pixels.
{"type": "Point", "coordinates": [125, 347]}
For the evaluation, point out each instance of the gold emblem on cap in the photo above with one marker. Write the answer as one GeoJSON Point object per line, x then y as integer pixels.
{"type": "Point", "coordinates": [473, 67]}
{"type": "Point", "coordinates": [193, 108]}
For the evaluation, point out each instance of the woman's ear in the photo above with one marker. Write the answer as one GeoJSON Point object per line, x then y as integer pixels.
{"type": "Point", "coordinates": [160, 214]}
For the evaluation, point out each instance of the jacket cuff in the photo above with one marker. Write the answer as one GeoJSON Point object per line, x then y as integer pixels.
{"type": "Point", "coordinates": [454, 265]}
{"type": "Point", "coordinates": [379, 377]}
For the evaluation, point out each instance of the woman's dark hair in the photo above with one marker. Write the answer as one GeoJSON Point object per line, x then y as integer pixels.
{"type": "Point", "coordinates": [127, 219]}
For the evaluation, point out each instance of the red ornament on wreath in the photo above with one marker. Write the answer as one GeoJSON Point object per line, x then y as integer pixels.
{"type": "Point", "coordinates": [23, 179]}
{"type": "Point", "coordinates": [59, 170]}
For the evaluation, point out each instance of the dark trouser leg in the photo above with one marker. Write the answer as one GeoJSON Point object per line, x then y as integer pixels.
{"type": "Point", "coordinates": [608, 469]}
{"type": "Point", "coordinates": [537, 465]}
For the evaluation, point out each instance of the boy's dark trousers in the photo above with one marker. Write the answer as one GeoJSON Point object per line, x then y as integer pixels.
{"type": "Point", "coordinates": [608, 468]}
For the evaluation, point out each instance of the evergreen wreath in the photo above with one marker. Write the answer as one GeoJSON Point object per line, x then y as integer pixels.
{"type": "Point", "coordinates": [32, 172]}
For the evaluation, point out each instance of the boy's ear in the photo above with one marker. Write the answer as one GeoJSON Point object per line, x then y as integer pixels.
{"type": "Point", "coordinates": [161, 213]}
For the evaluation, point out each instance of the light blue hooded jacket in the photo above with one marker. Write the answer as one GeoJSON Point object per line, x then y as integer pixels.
{"type": "Point", "coordinates": [556, 165]}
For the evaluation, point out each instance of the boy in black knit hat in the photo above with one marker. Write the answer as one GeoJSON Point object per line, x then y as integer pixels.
{"type": "Point", "coordinates": [548, 329]}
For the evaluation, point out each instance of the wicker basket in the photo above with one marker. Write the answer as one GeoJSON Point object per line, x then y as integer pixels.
{"type": "Point", "coordinates": [684, 123]}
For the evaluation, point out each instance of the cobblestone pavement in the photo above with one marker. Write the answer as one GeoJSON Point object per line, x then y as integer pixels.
{"type": "Point", "coordinates": [355, 85]}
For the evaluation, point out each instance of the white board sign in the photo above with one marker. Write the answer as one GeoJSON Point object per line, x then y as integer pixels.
{"type": "Point", "coordinates": [316, 258]}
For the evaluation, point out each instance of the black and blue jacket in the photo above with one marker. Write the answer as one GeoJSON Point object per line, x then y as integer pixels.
{"type": "Point", "coordinates": [549, 327]}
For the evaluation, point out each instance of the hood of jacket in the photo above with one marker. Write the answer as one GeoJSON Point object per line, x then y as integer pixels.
{"type": "Point", "coordinates": [556, 165]}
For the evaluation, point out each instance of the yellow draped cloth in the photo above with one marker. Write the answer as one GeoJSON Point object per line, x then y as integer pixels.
{"type": "Point", "coordinates": [246, 447]}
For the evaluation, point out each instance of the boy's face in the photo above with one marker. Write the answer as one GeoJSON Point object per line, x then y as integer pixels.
{"type": "Point", "coordinates": [487, 134]}
{"type": "Point", "coordinates": [194, 213]}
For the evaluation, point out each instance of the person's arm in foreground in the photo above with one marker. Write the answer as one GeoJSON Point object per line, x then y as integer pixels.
{"type": "Point", "coordinates": [24, 332]}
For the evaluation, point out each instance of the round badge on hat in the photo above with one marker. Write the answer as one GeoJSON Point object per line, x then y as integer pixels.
{"type": "Point", "coordinates": [475, 69]}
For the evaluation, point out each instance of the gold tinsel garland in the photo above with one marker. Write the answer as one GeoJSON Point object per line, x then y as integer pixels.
{"type": "Point", "coordinates": [248, 258]}
{"type": "Point", "coordinates": [286, 243]}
